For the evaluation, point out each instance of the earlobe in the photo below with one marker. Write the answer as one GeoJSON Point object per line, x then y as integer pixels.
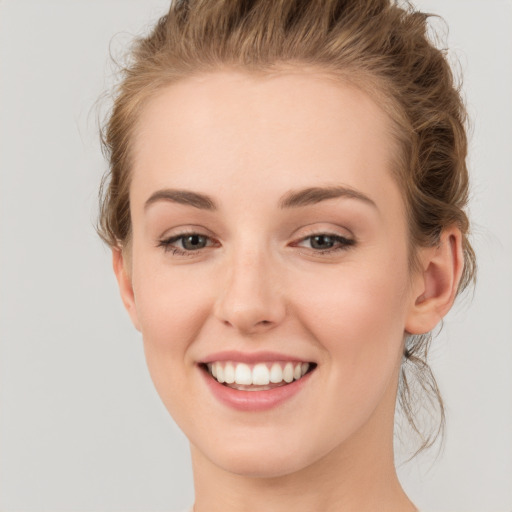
{"type": "Point", "coordinates": [124, 281]}
{"type": "Point", "coordinates": [435, 287]}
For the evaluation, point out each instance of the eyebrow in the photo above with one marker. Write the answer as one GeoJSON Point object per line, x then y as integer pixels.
{"type": "Point", "coordinates": [314, 195]}
{"type": "Point", "coordinates": [186, 197]}
{"type": "Point", "coordinates": [292, 199]}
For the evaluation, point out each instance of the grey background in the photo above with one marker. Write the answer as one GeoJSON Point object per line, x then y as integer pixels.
{"type": "Point", "coordinates": [81, 427]}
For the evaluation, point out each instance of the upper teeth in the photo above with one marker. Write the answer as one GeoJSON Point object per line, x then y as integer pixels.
{"type": "Point", "coordinates": [259, 374]}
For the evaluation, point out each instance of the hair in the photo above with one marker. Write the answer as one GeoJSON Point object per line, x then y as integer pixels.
{"type": "Point", "coordinates": [381, 47]}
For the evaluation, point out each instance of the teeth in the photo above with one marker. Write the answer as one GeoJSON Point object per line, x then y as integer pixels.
{"type": "Point", "coordinates": [229, 373]}
{"type": "Point", "coordinates": [220, 373]}
{"type": "Point", "coordinates": [243, 374]}
{"type": "Point", "coordinates": [276, 373]}
{"type": "Point", "coordinates": [260, 374]}
{"type": "Point", "coordinates": [288, 372]}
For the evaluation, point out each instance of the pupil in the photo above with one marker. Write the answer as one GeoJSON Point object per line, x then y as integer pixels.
{"type": "Point", "coordinates": [322, 242]}
{"type": "Point", "coordinates": [194, 242]}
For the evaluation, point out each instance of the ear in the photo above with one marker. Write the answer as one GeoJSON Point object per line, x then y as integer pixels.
{"type": "Point", "coordinates": [435, 286]}
{"type": "Point", "coordinates": [124, 280]}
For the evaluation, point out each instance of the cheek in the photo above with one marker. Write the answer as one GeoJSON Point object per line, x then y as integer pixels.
{"type": "Point", "coordinates": [359, 319]}
{"type": "Point", "coordinates": [172, 308]}
{"type": "Point", "coordinates": [171, 305]}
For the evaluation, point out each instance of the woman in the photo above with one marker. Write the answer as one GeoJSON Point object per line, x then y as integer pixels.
{"type": "Point", "coordinates": [285, 208]}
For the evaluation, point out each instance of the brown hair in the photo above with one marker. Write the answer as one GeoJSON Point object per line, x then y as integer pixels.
{"type": "Point", "coordinates": [377, 45]}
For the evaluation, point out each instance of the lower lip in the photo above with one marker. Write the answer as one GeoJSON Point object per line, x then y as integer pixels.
{"type": "Point", "coordinates": [254, 400]}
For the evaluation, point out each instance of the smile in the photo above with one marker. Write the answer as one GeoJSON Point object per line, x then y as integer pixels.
{"type": "Point", "coordinates": [255, 385]}
{"type": "Point", "coordinates": [259, 376]}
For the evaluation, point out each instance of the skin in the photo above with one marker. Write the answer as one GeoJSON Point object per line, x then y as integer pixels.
{"type": "Point", "coordinates": [260, 284]}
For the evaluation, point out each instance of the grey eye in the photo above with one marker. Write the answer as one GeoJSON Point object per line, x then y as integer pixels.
{"type": "Point", "coordinates": [322, 241]}
{"type": "Point", "coordinates": [194, 242]}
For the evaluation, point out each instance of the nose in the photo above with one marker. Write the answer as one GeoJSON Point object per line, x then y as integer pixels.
{"type": "Point", "coordinates": [250, 297]}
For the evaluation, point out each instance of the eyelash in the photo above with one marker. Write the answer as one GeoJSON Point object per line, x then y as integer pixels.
{"type": "Point", "coordinates": [343, 243]}
{"type": "Point", "coordinates": [167, 244]}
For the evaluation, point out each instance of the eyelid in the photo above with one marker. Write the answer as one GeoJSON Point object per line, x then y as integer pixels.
{"type": "Point", "coordinates": [188, 229]}
{"type": "Point", "coordinates": [342, 242]}
{"type": "Point", "coordinates": [166, 242]}
{"type": "Point", "coordinates": [328, 234]}
{"type": "Point", "coordinates": [340, 238]}
{"type": "Point", "coordinates": [316, 230]}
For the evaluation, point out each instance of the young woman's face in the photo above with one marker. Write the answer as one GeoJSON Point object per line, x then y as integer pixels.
{"type": "Point", "coordinates": [269, 235]}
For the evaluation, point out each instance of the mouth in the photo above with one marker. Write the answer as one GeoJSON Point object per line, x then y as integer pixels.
{"type": "Point", "coordinates": [260, 376]}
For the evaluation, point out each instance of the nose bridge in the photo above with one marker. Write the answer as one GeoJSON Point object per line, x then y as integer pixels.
{"type": "Point", "coordinates": [250, 298]}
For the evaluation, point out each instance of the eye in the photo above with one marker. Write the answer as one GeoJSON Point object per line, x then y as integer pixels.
{"type": "Point", "coordinates": [185, 243]}
{"type": "Point", "coordinates": [193, 242]}
{"type": "Point", "coordinates": [323, 243]}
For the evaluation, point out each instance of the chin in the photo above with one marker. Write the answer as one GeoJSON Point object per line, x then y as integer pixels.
{"type": "Point", "coordinates": [260, 465]}
{"type": "Point", "coordinates": [265, 456]}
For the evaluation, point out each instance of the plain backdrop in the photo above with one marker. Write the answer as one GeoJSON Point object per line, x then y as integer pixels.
{"type": "Point", "coordinates": [81, 427]}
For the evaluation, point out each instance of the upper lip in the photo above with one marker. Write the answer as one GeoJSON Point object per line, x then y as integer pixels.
{"type": "Point", "coordinates": [252, 357]}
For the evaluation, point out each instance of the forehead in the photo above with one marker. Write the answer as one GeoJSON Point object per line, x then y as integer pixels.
{"type": "Point", "coordinates": [266, 132]}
